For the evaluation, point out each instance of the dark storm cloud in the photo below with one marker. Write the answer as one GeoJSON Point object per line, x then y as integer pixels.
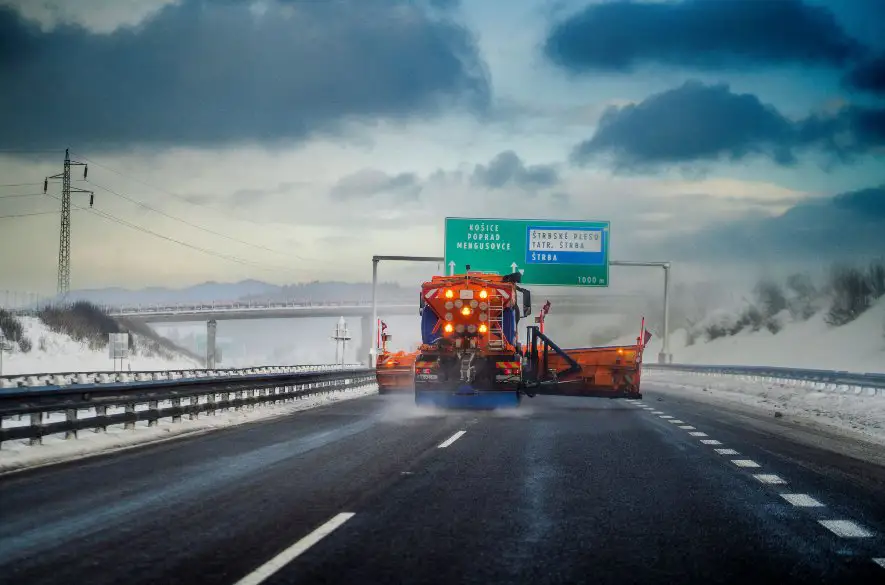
{"type": "Point", "coordinates": [705, 34]}
{"type": "Point", "coordinates": [869, 76]}
{"type": "Point", "coordinates": [703, 123]}
{"type": "Point", "coordinates": [211, 71]}
{"type": "Point", "coordinates": [508, 169]}
{"type": "Point", "coordinates": [848, 226]}
{"type": "Point", "coordinates": [371, 182]}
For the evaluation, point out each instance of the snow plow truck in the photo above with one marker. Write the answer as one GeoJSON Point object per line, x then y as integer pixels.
{"type": "Point", "coordinates": [471, 355]}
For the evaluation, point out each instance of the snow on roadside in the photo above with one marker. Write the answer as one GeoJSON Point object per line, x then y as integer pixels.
{"type": "Point", "coordinates": [17, 455]}
{"type": "Point", "coordinates": [857, 414]}
{"type": "Point", "coordinates": [54, 352]}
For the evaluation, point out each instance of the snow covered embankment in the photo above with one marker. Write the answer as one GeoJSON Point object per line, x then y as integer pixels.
{"type": "Point", "coordinates": [53, 352]}
{"type": "Point", "coordinates": [858, 346]}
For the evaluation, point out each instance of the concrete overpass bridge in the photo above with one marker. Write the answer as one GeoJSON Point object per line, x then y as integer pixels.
{"type": "Point", "coordinates": [221, 310]}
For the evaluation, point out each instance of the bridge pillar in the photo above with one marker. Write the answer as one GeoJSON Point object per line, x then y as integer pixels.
{"type": "Point", "coordinates": [364, 351]}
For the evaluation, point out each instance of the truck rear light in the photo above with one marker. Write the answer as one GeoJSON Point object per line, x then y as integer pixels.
{"type": "Point", "coordinates": [449, 294]}
{"type": "Point", "coordinates": [507, 371]}
{"type": "Point", "coordinates": [448, 328]}
{"type": "Point", "coordinates": [483, 328]}
{"type": "Point", "coordinates": [465, 311]}
{"type": "Point", "coordinates": [483, 294]}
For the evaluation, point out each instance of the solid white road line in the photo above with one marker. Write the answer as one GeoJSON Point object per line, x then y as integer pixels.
{"type": "Point", "coordinates": [260, 574]}
{"type": "Point", "coordinates": [802, 500]}
{"type": "Point", "coordinates": [710, 442]}
{"type": "Point", "coordinates": [745, 463]}
{"type": "Point", "coordinates": [845, 528]}
{"type": "Point", "coordinates": [451, 440]}
{"type": "Point", "coordinates": [769, 478]}
{"type": "Point", "coordinates": [727, 452]}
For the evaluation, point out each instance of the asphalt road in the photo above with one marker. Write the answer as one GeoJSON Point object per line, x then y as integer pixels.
{"type": "Point", "coordinates": [564, 490]}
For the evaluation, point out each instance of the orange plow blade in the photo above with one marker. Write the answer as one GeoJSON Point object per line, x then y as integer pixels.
{"type": "Point", "coordinates": [395, 372]}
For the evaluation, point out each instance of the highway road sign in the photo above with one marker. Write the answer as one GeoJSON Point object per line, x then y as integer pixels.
{"type": "Point", "coordinates": [546, 252]}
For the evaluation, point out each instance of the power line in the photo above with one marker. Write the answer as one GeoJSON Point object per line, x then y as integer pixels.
{"type": "Point", "coordinates": [29, 214]}
{"type": "Point", "coordinates": [288, 254]}
{"type": "Point", "coordinates": [20, 195]}
{"type": "Point", "coordinates": [123, 222]}
{"type": "Point", "coordinates": [18, 184]}
{"type": "Point", "coordinates": [184, 221]}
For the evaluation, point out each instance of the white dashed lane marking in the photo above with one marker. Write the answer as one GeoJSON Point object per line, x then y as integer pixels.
{"type": "Point", "coordinates": [845, 528]}
{"type": "Point", "coordinates": [727, 452]}
{"type": "Point", "coordinates": [687, 428]}
{"type": "Point", "coordinates": [745, 463]}
{"type": "Point", "coordinates": [710, 442]}
{"type": "Point", "coordinates": [769, 478]}
{"type": "Point", "coordinates": [880, 562]}
{"type": "Point", "coordinates": [263, 572]}
{"type": "Point", "coordinates": [676, 421]}
{"type": "Point", "coordinates": [698, 434]}
{"type": "Point", "coordinates": [802, 500]}
{"type": "Point", "coordinates": [666, 416]}
{"type": "Point", "coordinates": [451, 440]}
{"type": "Point", "coordinates": [657, 412]}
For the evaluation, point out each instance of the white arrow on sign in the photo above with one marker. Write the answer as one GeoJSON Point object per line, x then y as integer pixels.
{"type": "Point", "coordinates": [513, 268]}
{"type": "Point", "coordinates": [452, 268]}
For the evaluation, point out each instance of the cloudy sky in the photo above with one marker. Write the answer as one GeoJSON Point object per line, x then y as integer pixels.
{"type": "Point", "coordinates": [289, 140]}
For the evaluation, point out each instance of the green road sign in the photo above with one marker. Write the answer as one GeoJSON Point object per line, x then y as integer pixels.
{"type": "Point", "coordinates": [546, 252]}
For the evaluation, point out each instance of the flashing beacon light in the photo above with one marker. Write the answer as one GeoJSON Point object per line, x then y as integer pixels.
{"type": "Point", "coordinates": [483, 294]}
{"type": "Point", "coordinates": [449, 294]}
{"type": "Point", "coordinates": [448, 328]}
{"type": "Point", "coordinates": [483, 328]}
{"type": "Point", "coordinates": [465, 311]}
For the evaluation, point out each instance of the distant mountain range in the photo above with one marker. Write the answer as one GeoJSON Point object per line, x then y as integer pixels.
{"type": "Point", "coordinates": [245, 290]}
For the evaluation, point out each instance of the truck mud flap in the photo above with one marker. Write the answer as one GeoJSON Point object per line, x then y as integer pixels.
{"type": "Point", "coordinates": [467, 399]}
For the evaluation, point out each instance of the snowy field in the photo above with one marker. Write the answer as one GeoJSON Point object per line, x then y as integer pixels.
{"type": "Point", "coordinates": [53, 352]}
{"type": "Point", "coordinates": [16, 455]}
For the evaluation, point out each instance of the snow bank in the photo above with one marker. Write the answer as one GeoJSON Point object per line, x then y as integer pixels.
{"type": "Point", "coordinates": [17, 455]}
{"type": "Point", "coordinates": [858, 346]}
{"type": "Point", "coordinates": [55, 352]}
{"type": "Point", "coordinates": [856, 414]}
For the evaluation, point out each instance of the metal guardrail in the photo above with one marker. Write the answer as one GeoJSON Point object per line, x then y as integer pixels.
{"type": "Point", "coordinates": [59, 379]}
{"type": "Point", "coordinates": [204, 394]}
{"type": "Point", "coordinates": [870, 384]}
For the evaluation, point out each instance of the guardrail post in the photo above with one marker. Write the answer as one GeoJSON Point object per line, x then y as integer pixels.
{"type": "Point", "coordinates": [37, 425]}
{"type": "Point", "coordinates": [130, 424]}
{"type": "Point", "coordinates": [100, 411]}
{"type": "Point", "coordinates": [194, 414]}
{"type": "Point", "coordinates": [176, 403]}
{"type": "Point", "coordinates": [211, 400]}
{"type": "Point", "coordinates": [153, 416]}
{"type": "Point", "coordinates": [71, 418]}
